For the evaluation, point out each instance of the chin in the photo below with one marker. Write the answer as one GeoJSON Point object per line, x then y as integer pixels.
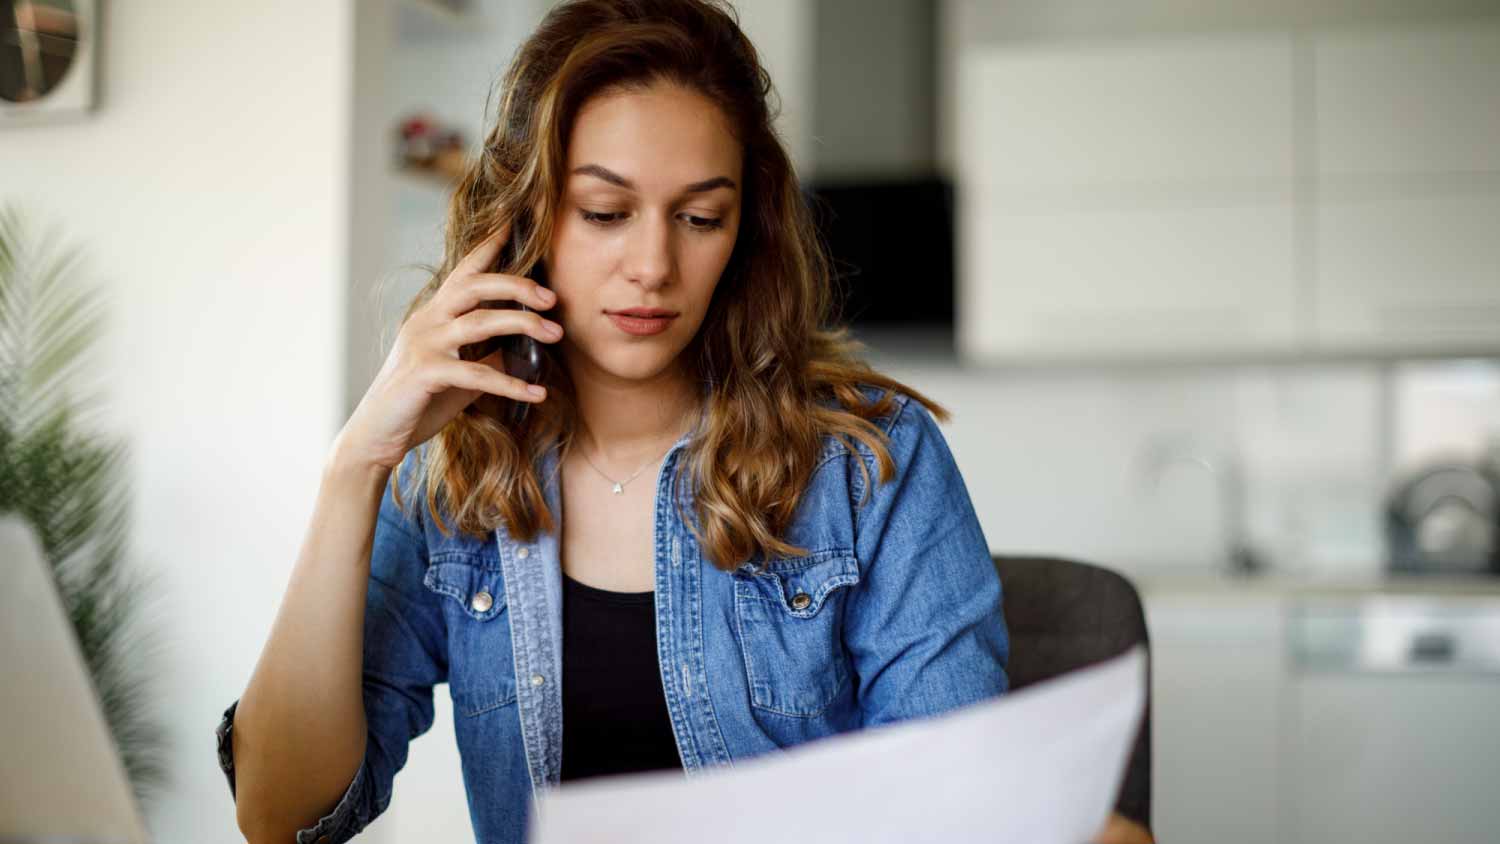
{"type": "Point", "coordinates": [637, 364]}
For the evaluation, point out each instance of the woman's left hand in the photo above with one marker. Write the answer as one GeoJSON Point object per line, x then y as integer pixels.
{"type": "Point", "coordinates": [1122, 830]}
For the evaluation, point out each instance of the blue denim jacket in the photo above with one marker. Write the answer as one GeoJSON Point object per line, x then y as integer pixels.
{"type": "Point", "coordinates": [894, 613]}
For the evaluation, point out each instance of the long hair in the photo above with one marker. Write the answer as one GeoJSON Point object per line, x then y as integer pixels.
{"type": "Point", "coordinates": [777, 376]}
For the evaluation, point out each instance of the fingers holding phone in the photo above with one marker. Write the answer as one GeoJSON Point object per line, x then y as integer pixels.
{"type": "Point", "coordinates": [468, 340]}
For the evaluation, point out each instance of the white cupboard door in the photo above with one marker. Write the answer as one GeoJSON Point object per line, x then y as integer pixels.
{"type": "Point", "coordinates": [1407, 255]}
{"type": "Point", "coordinates": [1392, 759]}
{"type": "Point", "coordinates": [1212, 112]}
{"type": "Point", "coordinates": [1419, 98]}
{"type": "Point", "coordinates": [1129, 198]}
{"type": "Point", "coordinates": [1139, 282]}
{"type": "Point", "coordinates": [1217, 678]}
{"type": "Point", "coordinates": [1390, 720]}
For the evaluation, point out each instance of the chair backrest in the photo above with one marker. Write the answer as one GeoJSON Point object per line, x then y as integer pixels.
{"type": "Point", "coordinates": [1063, 615]}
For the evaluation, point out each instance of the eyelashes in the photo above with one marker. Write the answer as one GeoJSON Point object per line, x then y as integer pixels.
{"type": "Point", "coordinates": [609, 218]}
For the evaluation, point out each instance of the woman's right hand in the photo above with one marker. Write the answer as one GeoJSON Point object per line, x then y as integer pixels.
{"type": "Point", "coordinates": [423, 383]}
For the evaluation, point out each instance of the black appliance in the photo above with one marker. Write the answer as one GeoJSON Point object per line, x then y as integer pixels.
{"type": "Point", "coordinates": [891, 241]}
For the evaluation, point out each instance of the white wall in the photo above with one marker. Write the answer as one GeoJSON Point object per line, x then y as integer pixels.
{"type": "Point", "coordinates": [1052, 456]}
{"type": "Point", "coordinates": [782, 33]}
{"type": "Point", "coordinates": [1054, 461]}
{"type": "Point", "coordinates": [210, 192]}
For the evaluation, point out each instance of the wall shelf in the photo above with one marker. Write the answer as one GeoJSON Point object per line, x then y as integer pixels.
{"type": "Point", "coordinates": [444, 171]}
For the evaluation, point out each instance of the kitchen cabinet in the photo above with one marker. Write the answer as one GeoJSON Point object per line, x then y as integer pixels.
{"type": "Point", "coordinates": [1408, 187]}
{"type": "Point", "coordinates": [1130, 196]}
{"type": "Point", "coordinates": [1390, 719]}
{"type": "Point", "coordinates": [1160, 280]}
{"type": "Point", "coordinates": [1417, 99]}
{"type": "Point", "coordinates": [1410, 273]}
{"type": "Point", "coordinates": [1329, 189]}
{"type": "Point", "coordinates": [1217, 680]}
{"type": "Point", "coordinates": [1305, 712]}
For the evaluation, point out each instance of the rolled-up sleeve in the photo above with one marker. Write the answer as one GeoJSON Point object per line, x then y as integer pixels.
{"type": "Point", "coordinates": [925, 630]}
{"type": "Point", "coordinates": [405, 655]}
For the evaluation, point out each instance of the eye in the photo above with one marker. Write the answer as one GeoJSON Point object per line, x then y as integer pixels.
{"type": "Point", "coordinates": [704, 224]}
{"type": "Point", "coordinates": [601, 218]}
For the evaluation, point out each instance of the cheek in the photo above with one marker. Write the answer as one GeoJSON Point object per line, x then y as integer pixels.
{"type": "Point", "coordinates": [708, 262]}
{"type": "Point", "coordinates": [577, 256]}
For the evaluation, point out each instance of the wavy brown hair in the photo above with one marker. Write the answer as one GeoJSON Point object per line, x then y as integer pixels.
{"type": "Point", "coordinates": [777, 375]}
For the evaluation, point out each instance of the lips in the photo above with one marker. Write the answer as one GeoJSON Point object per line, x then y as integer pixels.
{"type": "Point", "coordinates": [642, 322]}
{"type": "Point", "coordinates": [645, 313]}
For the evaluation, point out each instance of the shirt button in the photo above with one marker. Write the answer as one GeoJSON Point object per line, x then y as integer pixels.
{"type": "Point", "coordinates": [800, 601]}
{"type": "Point", "coordinates": [482, 601]}
{"type": "Point", "coordinates": [537, 679]}
{"type": "Point", "coordinates": [523, 553]}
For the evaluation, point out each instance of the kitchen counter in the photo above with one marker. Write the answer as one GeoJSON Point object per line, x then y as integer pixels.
{"type": "Point", "coordinates": [1197, 583]}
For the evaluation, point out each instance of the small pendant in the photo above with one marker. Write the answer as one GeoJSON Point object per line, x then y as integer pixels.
{"type": "Point", "coordinates": [618, 489]}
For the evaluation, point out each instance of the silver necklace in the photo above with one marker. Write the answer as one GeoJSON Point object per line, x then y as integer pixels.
{"type": "Point", "coordinates": [619, 486]}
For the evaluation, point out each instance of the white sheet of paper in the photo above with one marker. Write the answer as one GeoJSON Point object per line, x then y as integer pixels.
{"type": "Point", "coordinates": [1042, 765]}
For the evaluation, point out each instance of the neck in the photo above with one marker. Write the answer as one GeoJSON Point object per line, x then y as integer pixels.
{"type": "Point", "coordinates": [625, 422]}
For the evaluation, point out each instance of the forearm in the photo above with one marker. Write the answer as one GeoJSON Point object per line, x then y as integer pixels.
{"type": "Point", "coordinates": [299, 728]}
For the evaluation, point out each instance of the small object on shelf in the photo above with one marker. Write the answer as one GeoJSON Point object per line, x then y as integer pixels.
{"type": "Point", "coordinates": [428, 148]}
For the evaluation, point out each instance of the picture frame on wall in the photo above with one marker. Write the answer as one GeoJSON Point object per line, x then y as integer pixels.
{"type": "Point", "coordinates": [48, 51]}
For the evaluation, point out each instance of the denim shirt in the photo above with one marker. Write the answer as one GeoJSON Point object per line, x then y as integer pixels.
{"type": "Point", "coordinates": [893, 613]}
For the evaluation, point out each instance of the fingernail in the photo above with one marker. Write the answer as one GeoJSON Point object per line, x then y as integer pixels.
{"type": "Point", "coordinates": [537, 390]}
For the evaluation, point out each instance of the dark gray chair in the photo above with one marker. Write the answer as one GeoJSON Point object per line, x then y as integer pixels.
{"type": "Point", "coordinates": [1065, 615]}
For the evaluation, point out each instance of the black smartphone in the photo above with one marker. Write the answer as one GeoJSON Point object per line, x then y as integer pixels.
{"type": "Point", "coordinates": [522, 355]}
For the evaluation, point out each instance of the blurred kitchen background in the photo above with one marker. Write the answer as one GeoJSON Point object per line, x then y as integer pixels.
{"type": "Point", "coordinates": [1211, 287]}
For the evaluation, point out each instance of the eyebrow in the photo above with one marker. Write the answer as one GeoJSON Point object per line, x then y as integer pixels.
{"type": "Point", "coordinates": [614, 178]}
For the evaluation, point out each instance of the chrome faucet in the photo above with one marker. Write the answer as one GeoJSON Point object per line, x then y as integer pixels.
{"type": "Point", "coordinates": [1225, 466]}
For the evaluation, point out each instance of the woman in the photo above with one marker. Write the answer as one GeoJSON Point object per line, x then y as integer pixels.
{"type": "Point", "coordinates": [804, 560]}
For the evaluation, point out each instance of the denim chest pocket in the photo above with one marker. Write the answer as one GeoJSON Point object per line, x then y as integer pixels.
{"type": "Point", "coordinates": [481, 675]}
{"type": "Point", "coordinates": [791, 619]}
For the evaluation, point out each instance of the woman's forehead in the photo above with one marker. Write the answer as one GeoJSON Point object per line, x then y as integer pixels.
{"type": "Point", "coordinates": [663, 137]}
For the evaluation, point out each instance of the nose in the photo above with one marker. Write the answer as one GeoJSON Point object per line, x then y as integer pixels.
{"type": "Point", "coordinates": [648, 258]}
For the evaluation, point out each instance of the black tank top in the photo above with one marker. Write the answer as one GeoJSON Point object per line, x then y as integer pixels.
{"type": "Point", "coordinates": [614, 713]}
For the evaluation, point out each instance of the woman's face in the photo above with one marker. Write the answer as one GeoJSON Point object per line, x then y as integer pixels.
{"type": "Point", "coordinates": [649, 215]}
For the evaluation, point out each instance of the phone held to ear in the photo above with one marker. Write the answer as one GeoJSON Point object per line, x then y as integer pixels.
{"type": "Point", "coordinates": [522, 355]}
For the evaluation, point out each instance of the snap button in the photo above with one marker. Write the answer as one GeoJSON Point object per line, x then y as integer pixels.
{"type": "Point", "coordinates": [800, 601]}
{"type": "Point", "coordinates": [482, 601]}
{"type": "Point", "coordinates": [523, 553]}
{"type": "Point", "coordinates": [537, 679]}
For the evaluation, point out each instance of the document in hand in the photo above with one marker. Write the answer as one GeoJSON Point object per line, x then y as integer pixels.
{"type": "Point", "coordinates": [1041, 765]}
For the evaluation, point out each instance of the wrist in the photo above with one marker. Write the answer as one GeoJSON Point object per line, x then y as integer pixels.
{"type": "Point", "coordinates": [344, 465]}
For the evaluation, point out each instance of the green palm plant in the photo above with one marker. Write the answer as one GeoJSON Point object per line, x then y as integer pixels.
{"type": "Point", "coordinates": [68, 484]}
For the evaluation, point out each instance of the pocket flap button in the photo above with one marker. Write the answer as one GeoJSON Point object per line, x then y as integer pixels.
{"type": "Point", "coordinates": [800, 601]}
{"type": "Point", "coordinates": [482, 601]}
